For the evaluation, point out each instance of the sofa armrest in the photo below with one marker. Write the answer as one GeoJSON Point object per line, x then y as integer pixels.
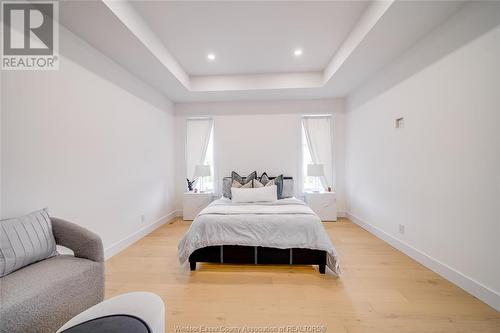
{"type": "Point", "coordinates": [84, 243]}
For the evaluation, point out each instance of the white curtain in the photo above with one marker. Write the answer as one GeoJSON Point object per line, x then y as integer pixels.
{"type": "Point", "coordinates": [197, 137]}
{"type": "Point", "coordinates": [318, 132]}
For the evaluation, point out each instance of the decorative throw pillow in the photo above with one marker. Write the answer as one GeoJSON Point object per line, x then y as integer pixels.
{"type": "Point", "coordinates": [264, 178]}
{"type": "Point", "coordinates": [287, 188]}
{"type": "Point", "coordinates": [227, 182]}
{"type": "Point", "coordinates": [256, 183]}
{"type": "Point", "coordinates": [239, 185]}
{"type": "Point", "coordinates": [278, 181]}
{"type": "Point", "coordinates": [262, 194]}
{"type": "Point", "coordinates": [25, 240]}
{"type": "Point", "coordinates": [243, 180]}
{"type": "Point", "coordinates": [266, 181]}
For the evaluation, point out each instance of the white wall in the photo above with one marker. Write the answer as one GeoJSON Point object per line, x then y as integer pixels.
{"type": "Point", "coordinates": [439, 175]}
{"type": "Point", "coordinates": [80, 143]}
{"type": "Point", "coordinates": [262, 136]}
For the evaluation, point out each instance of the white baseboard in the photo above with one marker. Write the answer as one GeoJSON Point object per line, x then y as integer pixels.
{"type": "Point", "coordinates": [341, 214]}
{"type": "Point", "coordinates": [134, 237]}
{"type": "Point", "coordinates": [485, 294]}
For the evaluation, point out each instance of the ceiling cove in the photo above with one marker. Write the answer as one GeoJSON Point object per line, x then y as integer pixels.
{"type": "Point", "coordinates": [170, 45]}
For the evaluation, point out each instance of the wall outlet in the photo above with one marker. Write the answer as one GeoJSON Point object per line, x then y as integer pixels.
{"type": "Point", "coordinates": [401, 229]}
{"type": "Point", "coordinates": [143, 218]}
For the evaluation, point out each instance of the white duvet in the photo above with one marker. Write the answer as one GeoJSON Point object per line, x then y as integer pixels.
{"type": "Point", "coordinates": [285, 223]}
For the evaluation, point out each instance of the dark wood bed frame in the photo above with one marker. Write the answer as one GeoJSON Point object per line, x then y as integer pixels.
{"type": "Point", "coordinates": [258, 255]}
{"type": "Point", "coordinates": [235, 254]}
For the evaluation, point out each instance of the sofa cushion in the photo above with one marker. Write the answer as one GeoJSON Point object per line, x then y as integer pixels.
{"type": "Point", "coordinates": [48, 293]}
{"type": "Point", "coordinates": [25, 240]}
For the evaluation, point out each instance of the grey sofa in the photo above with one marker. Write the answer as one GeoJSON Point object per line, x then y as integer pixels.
{"type": "Point", "coordinates": [42, 296]}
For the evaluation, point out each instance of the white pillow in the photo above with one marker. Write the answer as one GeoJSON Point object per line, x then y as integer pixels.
{"type": "Point", "coordinates": [261, 194]}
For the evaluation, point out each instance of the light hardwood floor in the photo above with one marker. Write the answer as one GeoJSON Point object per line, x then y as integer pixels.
{"type": "Point", "coordinates": [380, 290]}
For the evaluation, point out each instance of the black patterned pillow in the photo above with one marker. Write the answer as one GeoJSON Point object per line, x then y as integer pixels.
{"type": "Point", "coordinates": [228, 182]}
{"type": "Point", "coordinates": [243, 180]}
{"type": "Point", "coordinates": [264, 178]}
{"type": "Point", "coordinates": [256, 183]}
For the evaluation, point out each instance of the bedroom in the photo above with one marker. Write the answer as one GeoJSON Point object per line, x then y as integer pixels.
{"type": "Point", "coordinates": [381, 116]}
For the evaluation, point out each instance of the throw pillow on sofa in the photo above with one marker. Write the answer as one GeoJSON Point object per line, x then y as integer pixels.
{"type": "Point", "coordinates": [25, 240]}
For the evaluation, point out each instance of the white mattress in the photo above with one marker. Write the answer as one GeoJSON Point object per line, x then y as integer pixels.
{"type": "Point", "coordinates": [285, 223]}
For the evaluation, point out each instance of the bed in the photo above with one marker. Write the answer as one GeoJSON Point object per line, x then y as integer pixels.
{"type": "Point", "coordinates": [285, 231]}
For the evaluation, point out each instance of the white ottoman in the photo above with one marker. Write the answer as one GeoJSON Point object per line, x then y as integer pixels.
{"type": "Point", "coordinates": [145, 305]}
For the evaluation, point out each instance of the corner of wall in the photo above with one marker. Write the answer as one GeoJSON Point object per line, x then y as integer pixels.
{"type": "Point", "coordinates": [473, 20]}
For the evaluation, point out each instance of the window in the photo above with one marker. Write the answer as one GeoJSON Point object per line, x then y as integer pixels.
{"type": "Point", "coordinates": [199, 151]}
{"type": "Point", "coordinates": [209, 160]}
{"type": "Point", "coordinates": [309, 182]}
{"type": "Point", "coordinates": [317, 148]}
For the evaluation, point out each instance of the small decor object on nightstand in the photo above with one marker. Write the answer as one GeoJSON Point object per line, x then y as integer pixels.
{"type": "Point", "coordinates": [202, 170]}
{"type": "Point", "coordinates": [315, 170]}
{"type": "Point", "coordinates": [190, 184]}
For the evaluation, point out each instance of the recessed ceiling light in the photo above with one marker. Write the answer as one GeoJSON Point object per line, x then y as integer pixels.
{"type": "Point", "coordinates": [297, 52]}
{"type": "Point", "coordinates": [211, 56]}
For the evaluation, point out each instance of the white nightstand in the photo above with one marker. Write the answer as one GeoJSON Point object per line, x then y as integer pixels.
{"type": "Point", "coordinates": [324, 204]}
{"type": "Point", "coordinates": [193, 203]}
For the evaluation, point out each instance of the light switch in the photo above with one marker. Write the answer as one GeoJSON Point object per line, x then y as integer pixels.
{"type": "Point", "coordinates": [399, 123]}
